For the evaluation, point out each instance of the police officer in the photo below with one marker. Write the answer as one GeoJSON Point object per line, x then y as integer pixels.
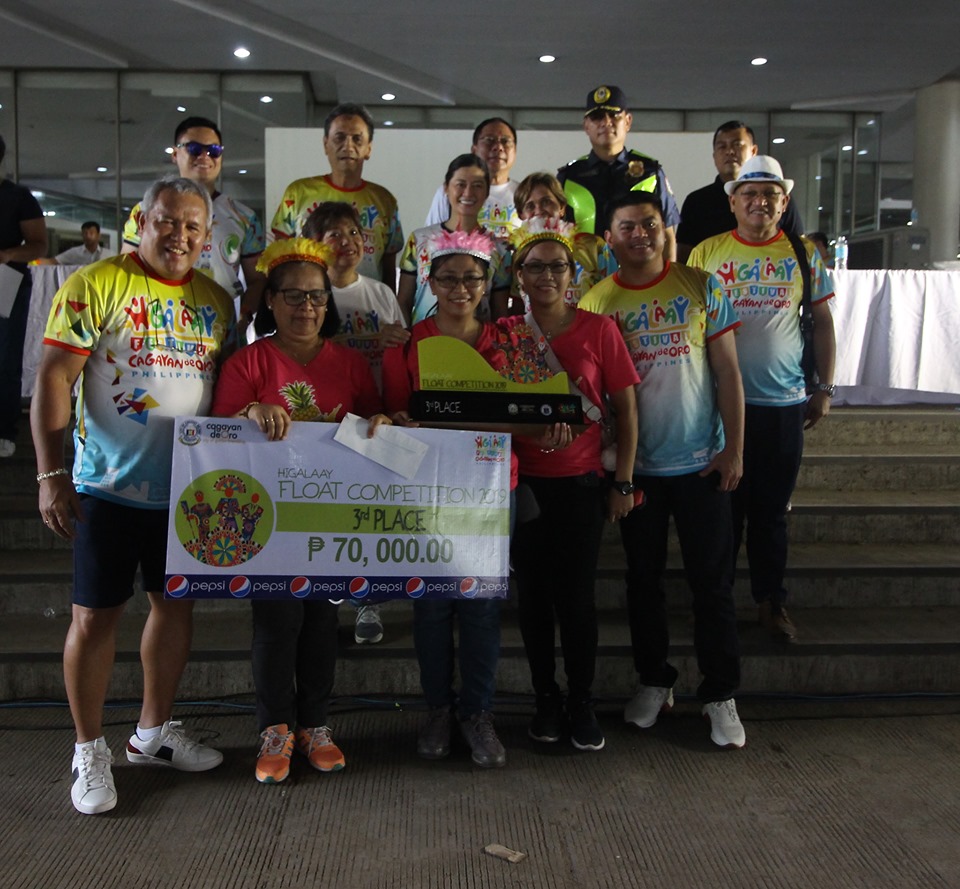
{"type": "Point", "coordinates": [610, 170]}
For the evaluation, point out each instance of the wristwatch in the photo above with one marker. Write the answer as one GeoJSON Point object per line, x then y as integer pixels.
{"type": "Point", "coordinates": [623, 487]}
{"type": "Point", "coordinates": [829, 388]}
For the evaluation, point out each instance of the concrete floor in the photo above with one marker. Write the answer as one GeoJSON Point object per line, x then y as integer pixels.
{"type": "Point", "coordinates": [853, 794]}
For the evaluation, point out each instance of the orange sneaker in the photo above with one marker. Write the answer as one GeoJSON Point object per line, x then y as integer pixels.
{"type": "Point", "coordinates": [273, 761]}
{"type": "Point", "coordinates": [316, 744]}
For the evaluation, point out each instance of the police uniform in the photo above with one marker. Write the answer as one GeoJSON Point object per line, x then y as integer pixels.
{"type": "Point", "coordinates": [590, 183]}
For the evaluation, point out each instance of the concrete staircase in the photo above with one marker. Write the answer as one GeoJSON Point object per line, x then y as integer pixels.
{"type": "Point", "coordinates": [874, 579]}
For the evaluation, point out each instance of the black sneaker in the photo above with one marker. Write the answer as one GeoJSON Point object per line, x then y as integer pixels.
{"type": "Point", "coordinates": [547, 723]}
{"type": "Point", "coordinates": [585, 733]}
{"type": "Point", "coordinates": [433, 741]}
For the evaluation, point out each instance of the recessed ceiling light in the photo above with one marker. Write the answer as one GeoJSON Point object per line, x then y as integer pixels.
{"type": "Point", "coordinates": [266, 99]}
{"type": "Point", "coordinates": [49, 212]}
{"type": "Point", "coordinates": [759, 60]}
{"type": "Point", "coordinates": [37, 194]}
{"type": "Point", "coordinates": [241, 52]}
{"type": "Point", "coordinates": [862, 152]}
{"type": "Point", "coordinates": [779, 140]}
{"type": "Point", "coordinates": [819, 208]}
{"type": "Point", "coordinates": [181, 108]}
{"type": "Point", "coordinates": [168, 150]}
{"type": "Point", "coordinates": [101, 169]}
{"type": "Point", "coordinates": [1, 105]}
{"type": "Point", "coordinates": [388, 97]}
{"type": "Point", "coordinates": [241, 172]}
{"type": "Point", "coordinates": [388, 123]}
{"type": "Point", "coordinates": [871, 122]}
{"type": "Point", "coordinates": [846, 148]}
{"type": "Point", "coordinates": [547, 59]}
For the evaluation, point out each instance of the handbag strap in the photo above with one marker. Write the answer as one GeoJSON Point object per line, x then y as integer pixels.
{"type": "Point", "coordinates": [806, 303]}
{"type": "Point", "coordinates": [590, 410]}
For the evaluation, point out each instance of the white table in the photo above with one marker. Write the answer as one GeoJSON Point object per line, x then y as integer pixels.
{"type": "Point", "coordinates": [898, 336]}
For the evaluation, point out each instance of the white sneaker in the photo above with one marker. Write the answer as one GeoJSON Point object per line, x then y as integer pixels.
{"type": "Point", "coordinates": [93, 789]}
{"type": "Point", "coordinates": [7, 447]}
{"type": "Point", "coordinates": [369, 628]}
{"type": "Point", "coordinates": [647, 705]}
{"type": "Point", "coordinates": [726, 729]}
{"type": "Point", "coordinates": [173, 748]}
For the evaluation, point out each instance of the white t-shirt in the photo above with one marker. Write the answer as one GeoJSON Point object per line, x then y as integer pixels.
{"type": "Point", "coordinates": [364, 307]}
{"type": "Point", "coordinates": [498, 214]}
{"type": "Point", "coordinates": [79, 255]}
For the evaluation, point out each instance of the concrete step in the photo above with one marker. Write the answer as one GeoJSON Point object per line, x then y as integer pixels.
{"type": "Point", "coordinates": [896, 427]}
{"type": "Point", "coordinates": [824, 575]}
{"type": "Point", "coordinates": [852, 468]}
{"type": "Point", "coordinates": [820, 515]}
{"type": "Point", "coordinates": [894, 651]}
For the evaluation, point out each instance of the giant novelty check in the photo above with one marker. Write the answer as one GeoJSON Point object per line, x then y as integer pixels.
{"type": "Point", "coordinates": [416, 513]}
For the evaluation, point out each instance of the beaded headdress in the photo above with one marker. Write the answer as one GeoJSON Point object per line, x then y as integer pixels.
{"type": "Point", "coordinates": [295, 250]}
{"type": "Point", "coordinates": [541, 228]}
{"type": "Point", "coordinates": [478, 243]}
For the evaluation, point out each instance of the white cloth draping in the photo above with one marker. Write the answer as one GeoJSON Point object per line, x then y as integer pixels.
{"type": "Point", "coordinates": [898, 336]}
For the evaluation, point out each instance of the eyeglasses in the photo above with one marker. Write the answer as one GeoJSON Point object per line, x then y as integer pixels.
{"type": "Point", "coordinates": [502, 141]}
{"type": "Point", "coordinates": [539, 268]}
{"type": "Point", "coordinates": [599, 114]}
{"type": "Point", "coordinates": [196, 149]}
{"type": "Point", "coordinates": [318, 298]}
{"type": "Point", "coordinates": [452, 282]}
{"type": "Point", "coordinates": [770, 194]}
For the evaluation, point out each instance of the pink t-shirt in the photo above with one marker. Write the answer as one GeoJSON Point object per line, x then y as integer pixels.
{"type": "Point", "coordinates": [337, 381]}
{"type": "Point", "coordinates": [593, 354]}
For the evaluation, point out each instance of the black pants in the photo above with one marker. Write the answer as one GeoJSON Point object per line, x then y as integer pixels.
{"type": "Point", "coordinates": [13, 331]}
{"type": "Point", "coordinates": [294, 659]}
{"type": "Point", "coordinates": [701, 514]}
{"type": "Point", "coordinates": [555, 564]}
{"type": "Point", "coordinates": [772, 449]}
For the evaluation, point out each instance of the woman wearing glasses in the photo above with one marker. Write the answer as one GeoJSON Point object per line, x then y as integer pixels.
{"type": "Point", "coordinates": [557, 540]}
{"type": "Point", "coordinates": [295, 372]}
{"type": "Point", "coordinates": [467, 185]}
{"type": "Point", "coordinates": [457, 265]}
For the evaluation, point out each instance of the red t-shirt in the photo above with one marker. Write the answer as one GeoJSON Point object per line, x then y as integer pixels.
{"type": "Point", "coordinates": [337, 381]}
{"type": "Point", "coordinates": [401, 370]}
{"type": "Point", "coordinates": [592, 352]}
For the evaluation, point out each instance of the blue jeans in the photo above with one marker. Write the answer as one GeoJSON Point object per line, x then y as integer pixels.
{"type": "Point", "coordinates": [701, 514]}
{"type": "Point", "coordinates": [478, 622]}
{"type": "Point", "coordinates": [772, 449]}
{"type": "Point", "coordinates": [13, 331]}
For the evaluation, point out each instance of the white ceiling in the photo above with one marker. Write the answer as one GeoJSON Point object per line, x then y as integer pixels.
{"type": "Point", "coordinates": [686, 54]}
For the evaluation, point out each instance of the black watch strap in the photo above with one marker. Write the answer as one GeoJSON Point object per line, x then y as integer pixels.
{"type": "Point", "coordinates": [623, 487]}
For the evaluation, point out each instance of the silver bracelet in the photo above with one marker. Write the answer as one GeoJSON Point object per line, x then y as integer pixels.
{"type": "Point", "coordinates": [52, 474]}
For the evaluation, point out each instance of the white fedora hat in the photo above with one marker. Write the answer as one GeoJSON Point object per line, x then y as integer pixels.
{"type": "Point", "coordinates": [760, 168]}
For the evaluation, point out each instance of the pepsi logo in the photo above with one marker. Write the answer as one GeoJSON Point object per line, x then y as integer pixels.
{"type": "Point", "coordinates": [300, 587]}
{"type": "Point", "coordinates": [469, 587]}
{"type": "Point", "coordinates": [239, 586]}
{"type": "Point", "coordinates": [359, 587]}
{"type": "Point", "coordinates": [416, 587]}
{"type": "Point", "coordinates": [177, 586]}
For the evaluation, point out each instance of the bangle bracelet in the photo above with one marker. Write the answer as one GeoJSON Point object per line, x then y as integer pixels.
{"type": "Point", "coordinates": [52, 474]}
{"type": "Point", "coordinates": [245, 413]}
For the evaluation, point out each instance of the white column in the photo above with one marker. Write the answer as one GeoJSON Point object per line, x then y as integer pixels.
{"type": "Point", "coordinates": [936, 167]}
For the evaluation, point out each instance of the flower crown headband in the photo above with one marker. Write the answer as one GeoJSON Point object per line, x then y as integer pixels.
{"type": "Point", "coordinates": [478, 243]}
{"type": "Point", "coordinates": [295, 250]}
{"type": "Point", "coordinates": [540, 228]}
